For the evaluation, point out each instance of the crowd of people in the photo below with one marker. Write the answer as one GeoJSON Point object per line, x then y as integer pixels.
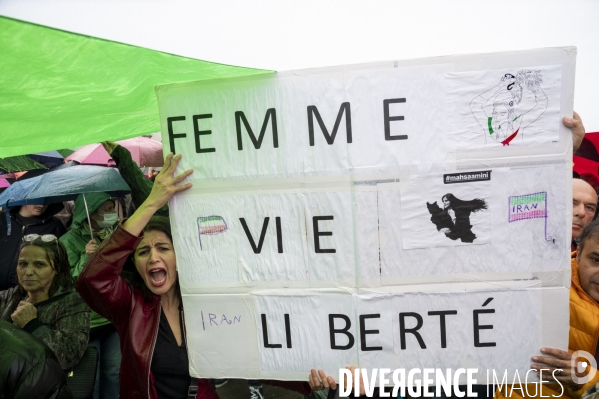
{"type": "Point", "coordinates": [113, 285]}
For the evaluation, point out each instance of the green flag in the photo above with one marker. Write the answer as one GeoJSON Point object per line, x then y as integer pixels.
{"type": "Point", "coordinates": [62, 90]}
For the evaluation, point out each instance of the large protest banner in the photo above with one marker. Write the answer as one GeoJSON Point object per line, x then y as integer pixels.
{"type": "Point", "coordinates": [411, 214]}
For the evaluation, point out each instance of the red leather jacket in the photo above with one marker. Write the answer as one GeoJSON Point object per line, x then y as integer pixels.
{"type": "Point", "coordinates": [102, 288]}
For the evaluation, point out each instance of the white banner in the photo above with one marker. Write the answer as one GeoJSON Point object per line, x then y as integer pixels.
{"type": "Point", "coordinates": [399, 214]}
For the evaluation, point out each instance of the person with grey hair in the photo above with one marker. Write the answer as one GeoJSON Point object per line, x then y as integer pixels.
{"type": "Point", "coordinates": [584, 206]}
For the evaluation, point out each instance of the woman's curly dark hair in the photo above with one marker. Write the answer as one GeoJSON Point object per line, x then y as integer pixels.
{"type": "Point", "coordinates": [57, 254]}
{"type": "Point", "coordinates": [130, 273]}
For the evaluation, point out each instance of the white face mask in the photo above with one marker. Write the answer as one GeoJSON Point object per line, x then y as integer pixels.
{"type": "Point", "coordinates": [109, 220]}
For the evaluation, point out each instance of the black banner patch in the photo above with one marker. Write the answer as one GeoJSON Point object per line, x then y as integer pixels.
{"type": "Point", "coordinates": [467, 177]}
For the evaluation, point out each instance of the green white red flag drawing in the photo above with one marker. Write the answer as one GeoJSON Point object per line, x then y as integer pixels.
{"type": "Point", "coordinates": [210, 225]}
{"type": "Point", "coordinates": [529, 206]}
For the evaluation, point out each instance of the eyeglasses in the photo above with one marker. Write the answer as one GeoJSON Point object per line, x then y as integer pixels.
{"type": "Point", "coordinates": [44, 238]}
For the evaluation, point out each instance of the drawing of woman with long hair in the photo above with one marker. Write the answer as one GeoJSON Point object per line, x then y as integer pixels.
{"type": "Point", "coordinates": [506, 109]}
{"type": "Point", "coordinates": [459, 211]}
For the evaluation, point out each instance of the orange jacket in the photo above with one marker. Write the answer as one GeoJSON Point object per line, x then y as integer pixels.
{"type": "Point", "coordinates": [584, 332]}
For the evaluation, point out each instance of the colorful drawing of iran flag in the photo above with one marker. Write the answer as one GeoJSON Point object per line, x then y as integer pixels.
{"type": "Point", "coordinates": [210, 225]}
{"type": "Point", "coordinates": [529, 206]}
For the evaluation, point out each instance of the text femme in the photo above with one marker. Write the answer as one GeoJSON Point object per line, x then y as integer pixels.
{"type": "Point", "coordinates": [270, 120]}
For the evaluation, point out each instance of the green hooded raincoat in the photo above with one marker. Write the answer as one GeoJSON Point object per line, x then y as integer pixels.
{"type": "Point", "coordinates": [77, 238]}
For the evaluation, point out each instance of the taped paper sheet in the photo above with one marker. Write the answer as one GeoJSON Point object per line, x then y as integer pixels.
{"type": "Point", "coordinates": [510, 106]}
{"type": "Point", "coordinates": [392, 331]}
{"type": "Point", "coordinates": [533, 244]}
{"type": "Point", "coordinates": [354, 201]}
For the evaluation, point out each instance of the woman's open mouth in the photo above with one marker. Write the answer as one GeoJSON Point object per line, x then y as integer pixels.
{"type": "Point", "coordinates": [157, 277]}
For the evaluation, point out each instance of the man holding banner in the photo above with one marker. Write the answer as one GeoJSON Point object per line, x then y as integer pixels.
{"type": "Point", "coordinates": [584, 199]}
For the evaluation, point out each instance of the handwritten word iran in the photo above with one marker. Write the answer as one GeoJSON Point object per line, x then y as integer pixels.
{"type": "Point", "coordinates": [215, 320]}
{"type": "Point", "coordinates": [530, 206]}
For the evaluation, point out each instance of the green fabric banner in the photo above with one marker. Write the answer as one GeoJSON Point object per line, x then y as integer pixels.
{"type": "Point", "coordinates": [61, 90]}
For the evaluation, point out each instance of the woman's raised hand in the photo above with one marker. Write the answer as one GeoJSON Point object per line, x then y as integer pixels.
{"type": "Point", "coordinates": [165, 184]}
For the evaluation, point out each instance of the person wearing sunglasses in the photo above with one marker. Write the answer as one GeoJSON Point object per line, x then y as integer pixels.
{"type": "Point", "coordinates": [26, 219]}
{"type": "Point", "coordinates": [45, 303]}
{"type": "Point", "coordinates": [80, 246]}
